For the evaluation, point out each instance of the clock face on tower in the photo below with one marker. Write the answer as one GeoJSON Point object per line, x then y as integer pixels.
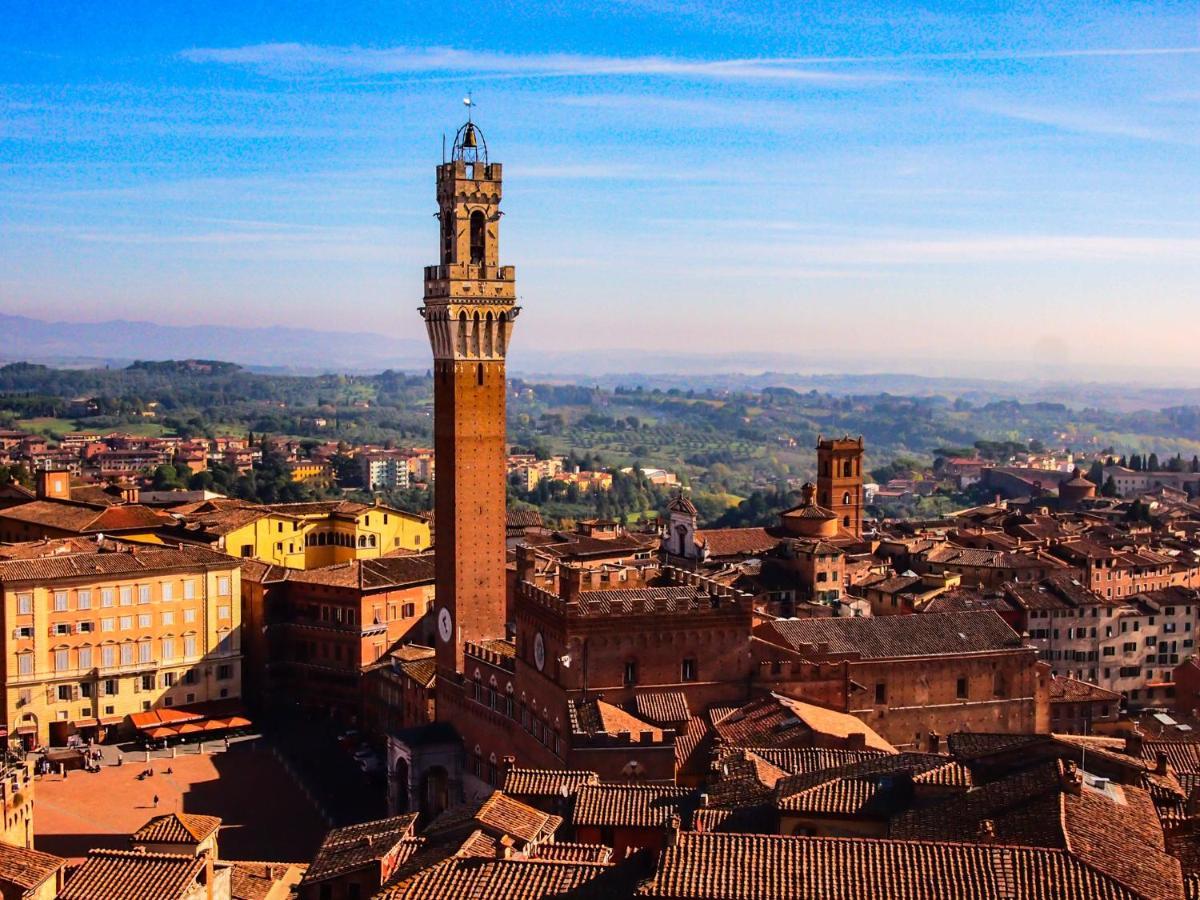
{"type": "Point", "coordinates": [539, 651]}
{"type": "Point", "coordinates": [445, 625]}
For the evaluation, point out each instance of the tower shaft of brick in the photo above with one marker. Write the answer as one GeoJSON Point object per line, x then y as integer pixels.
{"type": "Point", "coordinates": [470, 305]}
{"type": "Point", "coordinates": [840, 480]}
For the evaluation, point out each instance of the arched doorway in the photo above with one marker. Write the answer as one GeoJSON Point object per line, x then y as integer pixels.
{"type": "Point", "coordinates": [435, 791]}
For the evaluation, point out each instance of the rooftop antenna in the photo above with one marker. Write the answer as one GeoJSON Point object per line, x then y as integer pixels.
{"type": "Point", "coordinates": [469, 103]}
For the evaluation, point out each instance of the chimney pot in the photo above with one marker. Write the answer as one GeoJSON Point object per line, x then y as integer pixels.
{"type": "Point", "coordinates": [1133, 743]}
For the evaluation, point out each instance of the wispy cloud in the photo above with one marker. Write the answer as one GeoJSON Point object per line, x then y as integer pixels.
{"type": "Point", "coordinates": [291, 60]}
{"type": "Point", "coordinates": [307, 59]}
{"type": "Point", "coordinates": [1079, 120]}
{"type": "Point", "coordinates": [1003, 55]}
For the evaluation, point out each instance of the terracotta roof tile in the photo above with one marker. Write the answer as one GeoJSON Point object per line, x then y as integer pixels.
{"type": "Point", "coordinates": [665, 708]}
{"type": "Point", "coordinates": [371, 574]}
{"type": "Point", "coordinates": [591, 717]}
{"type": "Point", "coordinates": [133, 875]}
{"type": "Point", "coordinates": [1184, 756]}
{"type": "Point", "coordinates": [176, 828]}
{"type": "Point", "coordinates": [1074, 690]}
{"type": "Point", "coordinates": [349, 848]}
{"type": "Point", "coordinates": [498, 814]}
{"type": "Point", "coordinates": [545, 782]}
{"type": "Point", "coordinates": [256, 880]}
{"type": "Point", "coordinates": [778, 721]}
{"type": "Point", "coordinates": [735, 541]}
{"type": "Point", "coordinates": [24, 868]}
{"type": "Point", "coordinates": [507, 879]}
{"type": "Point", "coordinates": [768, 867]}
{"type": "Point", "coordinates": [896, 637]}
{"type": "Point", "coordinates": [630, 805]}
{"type": "Point", "coordinates": [565, 851]}
{"type": "Point", "coordinates": [119, 561]}
{"type": "Point", "coordinates": [867, 788]}
{"type": "Point", "coordinates": [798, 760]}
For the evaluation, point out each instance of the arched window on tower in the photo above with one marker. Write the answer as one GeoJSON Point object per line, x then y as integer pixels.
{"type": "Point", "coordinates": [846, 498]}
{"type": "Point", "coordinates": [488, 341]}
{"type": "Point", "coordinates": [478, 230]}
{"type": "Point", "coordinates": [847, 469]}
{"type": "Point", "coordinates": [501, 333]}
{"type": "Point", "coordinates": [462, 333]}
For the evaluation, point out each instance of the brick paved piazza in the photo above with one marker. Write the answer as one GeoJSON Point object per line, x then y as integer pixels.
{"type": "Point", "coordinates": [266, 815]}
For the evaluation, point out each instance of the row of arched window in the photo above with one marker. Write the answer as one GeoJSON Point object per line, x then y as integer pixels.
{"type": "Point", "coordinates": [539, 726]}
{"type": "Point", "coordinates": [478, 237]}
{"type": "Point", "coordinates": [482, 335]}
{"type": "Point", "coordinates": [339, 539]}
{"type": "Point", "coordinates": [849, 468]}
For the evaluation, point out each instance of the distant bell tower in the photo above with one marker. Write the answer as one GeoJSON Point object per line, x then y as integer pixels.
{"type": "Point", "coordinates": [840, 480]}
{"type": "Point", "coordinates": [470, 305]}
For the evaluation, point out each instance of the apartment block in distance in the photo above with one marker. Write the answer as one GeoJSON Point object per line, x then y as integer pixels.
{"type": "Point", "coordinates": [95, 631]}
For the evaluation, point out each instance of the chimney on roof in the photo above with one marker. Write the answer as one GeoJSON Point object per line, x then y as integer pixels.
{"type": "Point", "coordinates": [1160, 763]}
{"type": "Point", "coordinates": [504, 847]}
{"type": "Point", "coordinates": [1133, 743]}
{"type": "Point", "coordinates": [673, 826]}
{"type": "Point", "coordinates": [935, 742]}
{"type": "Point", "coordinates": [856, 740]}
{"type": "Point", "coordinates": [987, 831]}
{"type": "Point", "coordinates": [1072, 781]}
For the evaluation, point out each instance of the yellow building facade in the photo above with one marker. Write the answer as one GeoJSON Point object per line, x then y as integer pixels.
{"type": "Point", "coordinates": [92, 637]}
{"type": "Point", "coordinates": [306, 535]}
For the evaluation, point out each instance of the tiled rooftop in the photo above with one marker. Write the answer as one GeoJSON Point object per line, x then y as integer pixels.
{"type": "Point", "coordinates": [897, 637]}
{"type": "Point", "coordinates": [708, 866]}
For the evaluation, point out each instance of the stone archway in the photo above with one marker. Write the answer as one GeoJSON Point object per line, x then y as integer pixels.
{"type": "Point", "coordinates": [435, 791]}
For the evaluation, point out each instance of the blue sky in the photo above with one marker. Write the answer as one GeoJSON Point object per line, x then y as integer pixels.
{"type": "Point", "coordinates": [1006, 181]}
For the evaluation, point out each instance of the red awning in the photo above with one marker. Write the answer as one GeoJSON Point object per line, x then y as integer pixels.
{"type": "Point", "coordinates": [111, 720]}
{"type": "Point", "coordinates": [161, 732]}
{"type": "Point", "coordinates": [188, 728]}
{"type": "Point", "coordinates": [155, 717]}
{"type": "Point", "coordinates": [26, 729]}
{"type": "Point", "coordinates": [86, 723]}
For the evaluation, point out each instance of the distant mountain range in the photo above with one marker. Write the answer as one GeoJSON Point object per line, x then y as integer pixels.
{"type": "Point", "coordinates": [120, 342]}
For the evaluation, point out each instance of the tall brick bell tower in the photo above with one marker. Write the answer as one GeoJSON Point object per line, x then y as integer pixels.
{"type": "Point", "coordinates": [840, 480]}
{"type": "Point", "coordinates": [470, 305]}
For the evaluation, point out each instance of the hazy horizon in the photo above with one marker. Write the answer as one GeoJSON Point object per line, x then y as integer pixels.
{"type": "Point", "coordinates": [869, 183]}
